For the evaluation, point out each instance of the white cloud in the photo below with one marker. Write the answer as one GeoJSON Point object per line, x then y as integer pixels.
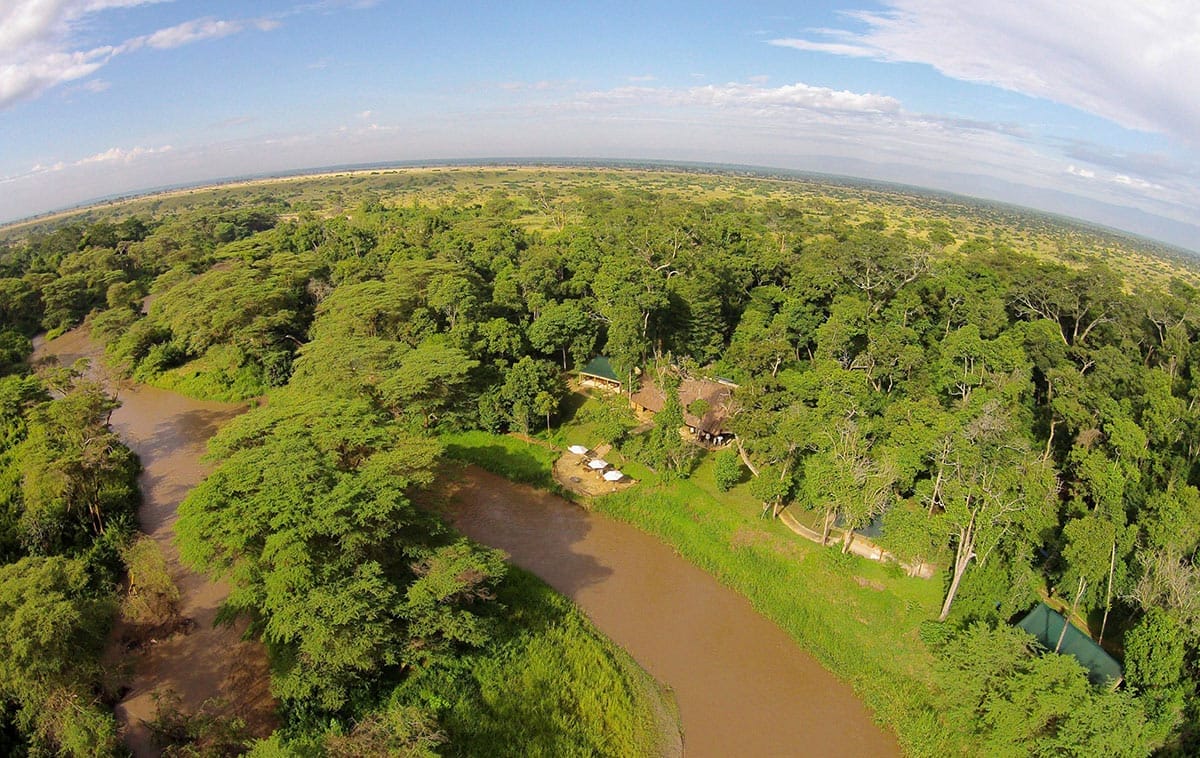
{"type": "Point", "coordinates": [789, 97]}
{"type": "Point", "coordinates": [1134, 63]}
{"type": "Point", "coordinates": [197, 30]}
{"type": "Point", "coordinates": [1133, 181]}
{"type": "Point", "coordinates": [29, 77]}
{"type": "Point", "coordinates": [794, 96]}
{"type": "Point", "coordinates": [120, 155]}
{"type": "Point", "coordinates": [35, 23]}
{"type": "Point", "coordinates": [38, 49]}
{"type": "Point", "coordinates": [1085, 173]}
{"type": "Point", "coordinates": [836, 48]}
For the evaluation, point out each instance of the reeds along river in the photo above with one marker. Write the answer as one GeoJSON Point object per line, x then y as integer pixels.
{"type": "Point", "coordinates": [744, 688]}
{"type": "Point", "coordinates": [169, 433]}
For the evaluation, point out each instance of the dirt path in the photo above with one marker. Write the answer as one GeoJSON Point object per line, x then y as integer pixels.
{"type": "Point", "coordinates": [743, 686]}
{"type": "Point", "coordinates": [169, 433]}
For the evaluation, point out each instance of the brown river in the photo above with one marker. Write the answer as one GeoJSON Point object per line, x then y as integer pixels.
{"type": "Point", "coordinates": [743, 687]}
{"type": "Point", "coordinates": [169, 432]}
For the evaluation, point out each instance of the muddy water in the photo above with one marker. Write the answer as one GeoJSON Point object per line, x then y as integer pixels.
{"type": "Point", "coordinates": [169, 432]}
{"type": "Point", "coordinates": [743, 686]}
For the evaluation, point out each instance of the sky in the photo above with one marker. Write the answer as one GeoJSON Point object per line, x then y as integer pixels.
{"type": "Point", "coordinates": [1089, 108]}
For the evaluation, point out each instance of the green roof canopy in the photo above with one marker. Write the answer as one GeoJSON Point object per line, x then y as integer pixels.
{"type": "Point", "coordinates": [601, 366]}
{"type": "Point", "coordinates": [1046, 624]}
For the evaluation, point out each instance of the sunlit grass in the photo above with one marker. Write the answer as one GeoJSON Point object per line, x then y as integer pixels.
{"type": "Point", "coordinates": [510, 457]}
{"type": "Point", "coordinates": [549, 685]}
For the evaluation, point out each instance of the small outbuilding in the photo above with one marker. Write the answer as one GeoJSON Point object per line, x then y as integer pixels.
{"type": "Point", "coordinates": [599, 372]}
{"type": "Point", "coordinates": [1046, 624]}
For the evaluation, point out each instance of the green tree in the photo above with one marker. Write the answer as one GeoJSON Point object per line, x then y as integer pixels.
{"type": "Point", "coordinates": [998, 496]}
{"type": "Point", "coordinates": [309, 518]}
{"type": "Point", "coordinates": [727, 470]}
{"type": "Point", "coordinates": [773, 486]}
{"type": "Point", "coordinates": [1155, 651]}
{"type": "Point", "coordinates": [1014, 701]}
{"type": "Point", "coordinates": [52, 629]}
{"type": "Point", "coordinates": [564, 328]}
{"type": "Point", "coordinates": [665, 448]}
{"type": "Point", "coordinates": [611, 416]}
{"type": "Point", "coordinates": [76, 474]}
{"type": "Point", "coordinates": [524, 383]}
{"type": "Point", "coordinates": [445, 605]}
{"type": "Point", "coordinates": [429, 383]}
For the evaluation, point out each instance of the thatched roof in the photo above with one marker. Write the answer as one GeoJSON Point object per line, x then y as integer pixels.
{"type": "Point", "coordinates": [715, 394]}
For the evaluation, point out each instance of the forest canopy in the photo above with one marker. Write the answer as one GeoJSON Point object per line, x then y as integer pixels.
{"type": "Point", "coordinates": [1015, 402]}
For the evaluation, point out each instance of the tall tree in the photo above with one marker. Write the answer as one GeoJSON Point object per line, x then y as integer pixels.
{"type": "Point", "coordinates": [999, 494]}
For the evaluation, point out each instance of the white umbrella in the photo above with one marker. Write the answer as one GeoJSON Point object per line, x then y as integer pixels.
{"type": "Point", "coordinates": [613, 476]}
{"type": "Point", "coordinates": [597, 464]}
{"type": "Point", "coordinates": [578, 449]}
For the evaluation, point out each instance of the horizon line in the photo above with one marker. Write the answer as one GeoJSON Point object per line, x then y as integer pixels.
{"type": "Point", "coordinates": [760, 171]}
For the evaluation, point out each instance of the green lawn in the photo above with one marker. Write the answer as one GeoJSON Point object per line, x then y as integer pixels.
{"type": "Point", "coordinates": [510, 457]}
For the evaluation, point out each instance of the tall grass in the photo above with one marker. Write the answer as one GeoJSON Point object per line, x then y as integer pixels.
{"type": "Point", "coordinates": [549, 685]}
{"type": "Point", "coordinates": [512, 458]}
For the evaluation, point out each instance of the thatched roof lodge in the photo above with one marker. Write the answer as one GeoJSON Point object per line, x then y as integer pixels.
{"type": "Point", "coordinates": [711, 398]}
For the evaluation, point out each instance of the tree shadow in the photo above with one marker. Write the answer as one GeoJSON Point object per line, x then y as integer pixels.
{"type": "Point", "coordinates": [569, 407]}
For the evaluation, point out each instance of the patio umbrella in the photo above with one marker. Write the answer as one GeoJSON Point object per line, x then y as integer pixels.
{"type": "Point", "coordinates": [598, 464]}
{"type": "Point", "coordinates": [578, 449]}
{"type": "Point", "coordinates": [613, 476]}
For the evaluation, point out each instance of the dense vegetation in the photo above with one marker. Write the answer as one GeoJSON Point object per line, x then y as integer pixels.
{"type": "Point", "coordinates": [1013, 408]}
{"type": "Point", "coordinates": [67, 495]}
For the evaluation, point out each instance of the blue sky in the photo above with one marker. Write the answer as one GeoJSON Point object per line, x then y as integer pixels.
{"type": "Point", "coordinates": [1085, 108]}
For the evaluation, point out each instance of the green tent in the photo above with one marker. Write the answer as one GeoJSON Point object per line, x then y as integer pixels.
{"type": "Point", "coordinates": [600, 367]}
{"type": "Point", "coordinates": [1046, 624]}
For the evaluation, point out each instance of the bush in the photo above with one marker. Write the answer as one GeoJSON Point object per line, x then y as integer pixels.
{"type": "Point", "coordinates": [153, 597]}
{"type": "Point", "coordinates": [728, 470]}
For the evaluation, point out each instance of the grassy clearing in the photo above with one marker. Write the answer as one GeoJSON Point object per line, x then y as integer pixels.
{"type": "Point", "coordinates": [510, 457]}
{"type": "Point", "coordinates": [551, 685]}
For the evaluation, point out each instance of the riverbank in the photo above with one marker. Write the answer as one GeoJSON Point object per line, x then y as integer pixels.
{"type": "Point", "coordinates": [860, 619]}
{"type": "Point", "coordinates": [168, 432]}
{"type": "Point", "coordinates": [742, 685]}
{"type": "Point", "coordinates": [550, 684]}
